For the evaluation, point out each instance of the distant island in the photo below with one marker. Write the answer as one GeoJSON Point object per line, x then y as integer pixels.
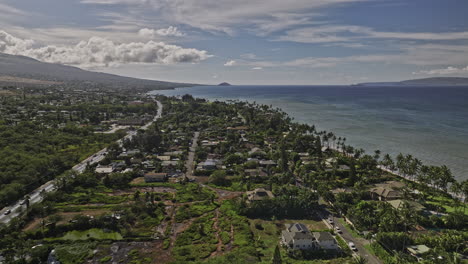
{"type": "Point", "coordinates": [224, 84]}
{"type": "Point", "coordinates": [435, 81]}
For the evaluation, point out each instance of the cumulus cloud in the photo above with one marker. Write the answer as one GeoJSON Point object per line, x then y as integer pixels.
{"type": "Point", "coordinates": [165, 32]}
{"type": "Point", "coordinates": [444, 71]}
{"type": "Point", "coordinates": [101, 52]}
{"type": "Point", "coordinates": [230, 63]}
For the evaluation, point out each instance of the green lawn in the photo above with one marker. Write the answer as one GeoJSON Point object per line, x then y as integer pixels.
{"type": "Point", "coordinates": [91, 233]}
{"type": "Point", "coordinates": [445, 202]}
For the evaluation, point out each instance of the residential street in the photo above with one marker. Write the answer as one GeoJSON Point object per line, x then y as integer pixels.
{"type": "Point", "coordinates": [191, 156]}
{"type": "Point", "coordinates": [348, 237]}
{"type": "Point", "coordinates": [36, 197]}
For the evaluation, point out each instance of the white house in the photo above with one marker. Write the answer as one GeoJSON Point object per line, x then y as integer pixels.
{"type": "Point", "coordinates": [325, 240]}
{"type": "Point", "coordinates": [297, 236]}
{"type": "Point", "coordinates": [105, 169]}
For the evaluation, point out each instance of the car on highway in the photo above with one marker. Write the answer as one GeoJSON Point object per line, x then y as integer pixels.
{"type": "Point", "coordinates": [330, 221]}
{"type": "Point", "coordinates": [338, 230]}
{"type": "Point", "coordinates": [352, 246]}
{"type": "Point", "coordinates": [7, 212]}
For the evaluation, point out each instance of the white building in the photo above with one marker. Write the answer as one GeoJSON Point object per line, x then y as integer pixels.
{"type": "Point", "coordinates": [325, 240]}
{"type": "Point", "coordinates": [297, 236]}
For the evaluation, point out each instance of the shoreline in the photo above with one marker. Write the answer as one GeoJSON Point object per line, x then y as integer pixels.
{"type": "Point", "coordinates": [351, 121]}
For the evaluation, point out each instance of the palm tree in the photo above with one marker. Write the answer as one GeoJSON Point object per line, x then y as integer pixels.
{"type": "Point", "coordinates": [400, 163]}
{"type": "Point", "coordinates": [388, 162]}
{"type": "Point", "coordinates": [27, 201]}
{"type": "Point", "coordinates": [446, 177]}
{"type": "Point", "coordinates": [277, 256]}
{"type": "Point", "coordinates": [377, 155]}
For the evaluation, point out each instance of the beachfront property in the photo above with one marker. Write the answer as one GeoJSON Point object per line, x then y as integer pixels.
{"type": "Point", "coordinates": [387, 191]}
{"type": "Point", "coordinates": [397, 204]}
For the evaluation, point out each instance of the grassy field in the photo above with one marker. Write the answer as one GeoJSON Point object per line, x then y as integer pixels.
{"type": "Point", "coordinates": [94, 233]}
{"type": "Point", "coordinates": [445, 202]}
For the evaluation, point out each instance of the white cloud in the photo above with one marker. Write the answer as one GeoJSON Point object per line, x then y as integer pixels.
{"type": "Point", "coordinates": [348, 33]}
{"type": "Point", "coordinates": [249, 56]}
{"type": "Point", "coordinates": [257, 68]}
{"type": "Point", "coordinates": [165, 32]}
{"type": "Point", "coordinates": [101, 52]}
{"type": "Point", "coordinates": [226, 15]}
{"type": "Point", "coordinates": [444, 71]}
{"type": "Point", "coordinates": [230, 63]}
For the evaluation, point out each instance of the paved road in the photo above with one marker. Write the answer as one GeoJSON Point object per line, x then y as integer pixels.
{"type": "Point", "coordinates": [36, 197]}
{"type": "Point", "coordinates": [348, 237]}
{"type": "Point", "coordinates": [191, 156]}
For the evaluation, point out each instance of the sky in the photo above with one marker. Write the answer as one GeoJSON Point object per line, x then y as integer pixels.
{"type": "Point", "coordinates": [271, 42]}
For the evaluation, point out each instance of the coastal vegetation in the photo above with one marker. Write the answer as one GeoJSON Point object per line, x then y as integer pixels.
{"type": "Point", "coordinates": [217, 182]}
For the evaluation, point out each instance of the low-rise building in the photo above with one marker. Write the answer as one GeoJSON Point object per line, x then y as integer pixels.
{"type": "Point", "coordinates": [155, 177]}
{"type": "Point", "coordinates": [297, 236]}
{"type": "Point", "coordinates": [325, 240]}
{"type": "Point", "coordinates": [259, 194]}
{"type": "Point", "coordinates": [256, 173]}
{"type": "Point", "coordinates": [104, 169]}
{"type": "Point", "coordinates": [418, 251]}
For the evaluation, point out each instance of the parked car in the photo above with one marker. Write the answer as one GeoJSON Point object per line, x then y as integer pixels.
{"type": "Point", "coordinates": [7, 212]}
{"type": "Point", "coordinates": [338, 230]}
{"type": "Point", "coordinates": [330, 221]}
{"type": "Point", "coordinates": [352, 246]}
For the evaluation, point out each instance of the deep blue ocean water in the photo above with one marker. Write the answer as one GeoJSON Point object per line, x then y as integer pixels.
{"type": "Point", "coordinates": [431, 123]}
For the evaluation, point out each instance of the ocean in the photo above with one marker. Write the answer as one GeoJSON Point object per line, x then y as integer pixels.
{"type": "Point", "coordinates": [430, 123]}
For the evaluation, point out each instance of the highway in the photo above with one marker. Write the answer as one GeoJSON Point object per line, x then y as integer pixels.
{"type": "Point", "coordinates": [35, 196]}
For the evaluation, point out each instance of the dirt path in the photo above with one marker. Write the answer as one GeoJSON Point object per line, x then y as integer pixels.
{"type": "Point", "coordinates": [219, 247]}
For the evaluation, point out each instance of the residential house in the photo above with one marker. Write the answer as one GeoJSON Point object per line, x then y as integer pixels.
{"type": "Point", "coordinates": [418, 251]}
{"type": "Point", "coordinates": [265, 163]}
{"type": "Point", "coordinates": [387, 191]}
{"type": "Point", "coordinates": [384, 194]}
{"type": "Point", "coordinates": [415, 206]}
{"type": "Point", "coordinates": [209, 164]}
{"type": "Point", "coordinates": [325, 240]}
{"type": "Point", "coordinates": [256, 173]}
{"type": "Point", "coordinates": [163, 158]}
{"type": "Point", "coordinates": [155, 177]}
{"type": "Point", "coordinates": [259, 194]}
{"type": "Point", "coordinates": [297, 236]}
{"type": "Point", "coordinates": [104, 169]}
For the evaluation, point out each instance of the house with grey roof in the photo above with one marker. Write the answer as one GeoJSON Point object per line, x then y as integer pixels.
{"type": "Point", "coordinates": [298, 236]}
{"type": "Point", "coordinates": [259, 194]}
{"type": "Point", "coordinates": [325, 240]}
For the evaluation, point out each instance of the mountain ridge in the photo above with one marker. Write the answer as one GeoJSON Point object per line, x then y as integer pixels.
{"type": "Point", "coordinates": [434, 81]}
{"type": "Point", "coordinates": [24, 67]}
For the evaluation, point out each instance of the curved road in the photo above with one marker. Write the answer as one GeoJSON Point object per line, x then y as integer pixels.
{"type": "Point", "coordinates": [35, 196]}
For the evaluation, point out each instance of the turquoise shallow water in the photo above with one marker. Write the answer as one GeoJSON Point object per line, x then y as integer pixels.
{"type": "Point", "coordinates": [430, 123]}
